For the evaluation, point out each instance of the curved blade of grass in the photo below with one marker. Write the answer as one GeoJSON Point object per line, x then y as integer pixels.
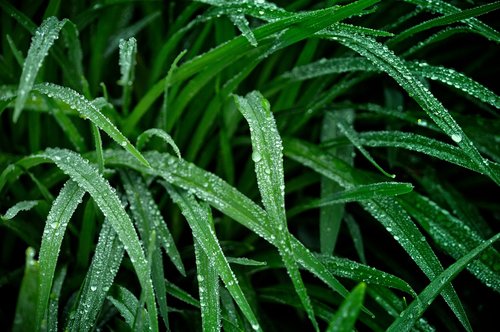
{"type": "Point", "coordinates": [352, 135]}
{"type": "Point", "coordinates": [445, 8]}
{"type": "Point", "coordinates": [105, 197]}
{"type": "Point", "coordinates": [358, 193]}
{"type": "Point", "coordinates": [44, 38]}
{"type": "Point", "coordinates": [415, 310]}
{"type": "Point", "coordinates": [304, 25]}
{"type": "Point", "coordinates": [343, 267]}
{"type": "Point", "coordinates": [445, 20]}
{"type": "Point", "coordinates": [387, 211]}
{"type": "Point", "coordinates": [422, 144]}
{"type": "Point", "coordinates": [105, 264]}
{"type": "Point", "coordinates": [268, 158]}
{"type": "Point", "coordinates": [242, 24]}
{"type": "Point", "coordinates": [128, 51]}
{"type": "Point", "coordinates": [245, 261]}
{"type": "Point", "coordinates": [88, 110]}
{"type": "Point", "coordinates": [223, 197]}
{"type": "Point", "coordinates": [28, 295]}
{"type": "Point", "coordinates": [18, 207]}
{"type": "Point", "coordinates": [164, 107]}
{"type": "Point", "coordinates": [128, 306]}
{"type": "Point", "coordinates": [330, 217]}
{"type": "Point", "coordinates": [388, 62]}
{"type": "Point", "coordinates": [148, 215]}
{"type": "Point", "coordinates": [357, 238]}
{"type": "Point", "coordinates": [198, 220]}
{"type": "Point", "coordinates": [59, 216]}
{"type": "Point", "coordinates": [208, 287]}
{"type": "Point", "coordinates": [146, 136]}
{"type": "Point", "coordinates": [437, 73]}
{"type": "Point", "coordinates": [346, 316]}
{"type": "Point", "coordinates": [53, 311]}
{"type": "Point", "coordinates": [454, 237]}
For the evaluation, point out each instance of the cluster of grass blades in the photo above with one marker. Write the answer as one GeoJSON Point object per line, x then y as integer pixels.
{"type": "Point", "coordinates": [249, 165]}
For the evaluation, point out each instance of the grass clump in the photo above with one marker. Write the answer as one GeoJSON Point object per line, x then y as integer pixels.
{"type": "Point", "coordinates": [192, 165]}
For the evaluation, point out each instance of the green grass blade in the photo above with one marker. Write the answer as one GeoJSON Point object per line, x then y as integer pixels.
{"type": "Point", "coordinates": [356, 236]}
{"type": "Point", "coordinates": [105, 197]}
{"type": "Point", "coordinates": [146, 136]}
{"type": "Point", "coordinates": [383, 58]}
{"type": "Point", "coordinates": [387, 211]}
{"type": "Point", "coordinates": [128, 306]}
{"type": "Point", "coordinates": [352, 135]}
{"type": "Point", "coordinates": [53, 312]}
{"type": "Point", "coordinates": [128, 52]}
{"type": "Point", "coordinates": [208, 287]}
{"type": "Point", "coordinates": [100, 276]}
{"type": "Point", "coordinates": [18, 207]}
{"type": "Point", "coordinates": [44, 38]}
{"type": "Point", "coordinates": [345, 268]}
{"type": "Point", "coordinates": [358, 193]}
{"type": "Point", "coordinates": [304, 25]}
{"type": "Point", "coordinates": [422, 144]}
{"type": "Point", "coordinates": [346, 316]}
{"type": "Point", "coordinates": [454, 237]}
{"type": "Point", "coordinates": [445, 20]}
{"type": "Point", "coordinates": [268, 158]}
{"type": "Point", "coordinates": [330, 217]}
{"type": "Point", "coordinates": [59, 216]}
{"type": "Point", "coordinates": [181, 294]}
{"type": "Point", "coordinates": [445, 8]}
{"type": "Point", "coordinates": [28, 295]}
{"type": "Point", "coordinates": [90, 111]}
{"type": "Point", "coordinates": [415, 310]}
{"type": "Point", "coordinates": [198, 220]}
{"type": "Point", "coordinates": [223, 197]}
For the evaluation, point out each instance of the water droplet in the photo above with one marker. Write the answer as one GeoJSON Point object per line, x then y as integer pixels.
{"type": "Point", "coordinates": [457, 138]}
{"type": "Point", "coordinates": [93, 288]}
{"type": "Point", "coordinates": [256, 157]}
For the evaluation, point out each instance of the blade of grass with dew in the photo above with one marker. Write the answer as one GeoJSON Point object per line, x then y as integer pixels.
{"type": "Point", "coordinates": [44, 38]}
{"type": "Point", "coordinates": [455, 79]}
{"type": "Point", "coordinates": [305, 25]}
{"type": "Point", "coordinates": [357, 238]}
{"type": "Point", "coordinates": [437, 73]}
{"type": "Point", "coordinates": [415, 310]}
{"type": "Point", "coordinates": [146, 136]}
{"type": "Point", "coordinates": [88, 110]}
{"type": "Point", "coordinates": [422, 144]}
{"type": "Point", "coordinates": [67, 126]}
{"type": "Point", "coordinates": [100, 276]}
{"type": "Point", "coordinates": [387, 211]}
{"type": "Point", "coordinates": [345, 268]}
{"type": "Point", "coordinates": [105, 197]}
{"type": "Point", "coordinates": [347, 314]}
{"type": "Point", "coordinates": [18, 207]}
{"type": "Point", "coordinates": [148, 214]}
{"type": "Point", "coordinates": [454, 237]}
{"type": "Point", "coordinates": [242, 24]}
{"type": "Point", "coordinates": [223, 197]}
{"type": "Point", "coordinates": [181, 294]}
{"type": "Point", "coordinates": [352, 135]}
{"type": "Point", "coordinates": [147, 219]}
{"type": "Point", "coordinates": [208, 288]}
{"type": "Point", "coordinates": [357, 193]}
{"type": "Point", "coordinates": [445, 20]}
{"type": "Point", "coordinates": [128, 306]}
{"type": "Point", "coordinates": [442, 7]}
{"type": "Point", "coordinates": [198, 219]}
{"type": "Point", "coordinates": [55, 227]}
{"type": "Point", "coordinates": [28, 295]}
{"type": "Point", "coordinates": [268, 158]}
{"type": "Point", "coordinates": [388, 62]}
{"type": "Point", "coordinates": [330, 217]}
{"type": "Point", "coordinates": [245, 261]}
{"type": "Point", "coordinates": [53, 311]}
{"type": "Point", "coordinates": [128, 52]}
{"type": "Point", "coordinates": [168, 78]}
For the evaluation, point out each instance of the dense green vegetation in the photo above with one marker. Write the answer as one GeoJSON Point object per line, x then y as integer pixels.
{"type": "Point", "coordinates": [249, 165]}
